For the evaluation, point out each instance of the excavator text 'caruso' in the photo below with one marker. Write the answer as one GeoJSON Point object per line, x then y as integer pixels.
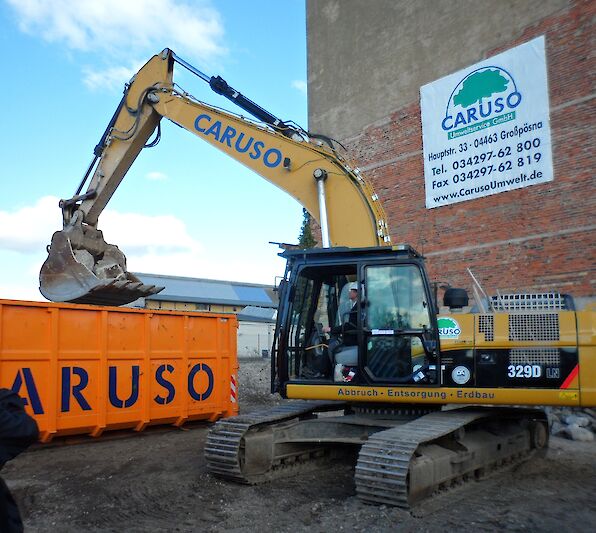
{"type": "Point", "coordinates": [358, 335]}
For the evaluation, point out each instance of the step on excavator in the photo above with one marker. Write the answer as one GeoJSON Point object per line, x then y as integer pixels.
{"type": "Point", "coordinates": [427, 396]}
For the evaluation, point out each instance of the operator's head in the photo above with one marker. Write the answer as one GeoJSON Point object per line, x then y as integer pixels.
{"type": "Point", "coordinates": [353, 290]}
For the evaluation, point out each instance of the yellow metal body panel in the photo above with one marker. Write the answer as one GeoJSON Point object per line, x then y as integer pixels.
{"type": "Point", "coordinates": [471, 336]}
{"type": "Point", "coordinates": [435, 395]}
{"type": "Point", "coordinates": [586, 337]}
{"type": "Point", "coordinates": [566, 329]}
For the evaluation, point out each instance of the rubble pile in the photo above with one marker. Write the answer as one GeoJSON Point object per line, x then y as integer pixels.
{"type": "Point", "coordinates": [254, 377]}
{"type": "Point", "coordinates": [572, 423]}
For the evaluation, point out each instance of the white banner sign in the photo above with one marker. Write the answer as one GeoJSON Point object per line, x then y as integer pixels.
{"type": "Point", "coordinates": [486, 128]}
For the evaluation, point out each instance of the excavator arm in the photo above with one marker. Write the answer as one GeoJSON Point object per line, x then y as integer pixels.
{"type": "Point", "coordinates": [81, 267]}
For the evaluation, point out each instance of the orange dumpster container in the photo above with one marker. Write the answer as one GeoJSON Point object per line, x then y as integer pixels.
{"type": "Point", "coordinates": [85, 369]}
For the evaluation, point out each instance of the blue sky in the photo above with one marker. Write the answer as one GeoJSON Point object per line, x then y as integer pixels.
{"type": "Point", "coordinates": [184, 208]}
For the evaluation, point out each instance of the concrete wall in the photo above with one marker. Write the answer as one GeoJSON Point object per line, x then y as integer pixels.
{"type": "Point", "coordinates": [367, 61]}
{"type": "Point", "coordinates": [366, 58]}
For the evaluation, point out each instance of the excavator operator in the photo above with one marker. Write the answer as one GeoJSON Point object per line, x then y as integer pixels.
{"type": "Point", "coordinates": [347, 329]}
{"type": "Point", "coordinates": [344, 350]}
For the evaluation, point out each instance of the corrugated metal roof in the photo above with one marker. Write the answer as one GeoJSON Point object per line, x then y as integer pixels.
{"type": "Point", "coordinates": [209, 291]}
{"type": "Point", "coordinates": [257, 314]}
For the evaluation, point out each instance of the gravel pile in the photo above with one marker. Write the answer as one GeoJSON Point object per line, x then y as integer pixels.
{"type": "Point", "coordinates": [571, 423]}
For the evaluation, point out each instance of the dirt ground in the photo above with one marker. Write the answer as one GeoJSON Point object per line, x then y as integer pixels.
{"type": "Point", "coordinates": [158, 481]}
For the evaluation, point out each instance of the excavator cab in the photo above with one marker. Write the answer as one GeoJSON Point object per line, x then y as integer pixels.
{"type": "Point", "coordinates": [387, 335]}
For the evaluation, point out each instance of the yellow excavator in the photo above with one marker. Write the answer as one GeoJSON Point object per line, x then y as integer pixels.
{"type": "Point", "coordinates": [428, 395]}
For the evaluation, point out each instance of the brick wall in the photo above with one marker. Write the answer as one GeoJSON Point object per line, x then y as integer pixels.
{"type": "Point", "coordinates": [538, 238]}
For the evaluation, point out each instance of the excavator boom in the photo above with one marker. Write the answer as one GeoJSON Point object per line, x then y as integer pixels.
{"type": "Point", "coordinates": [81, 267]}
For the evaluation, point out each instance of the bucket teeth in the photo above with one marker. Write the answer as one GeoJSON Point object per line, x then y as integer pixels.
{"type": "Point", "coordinates": [117, 292]}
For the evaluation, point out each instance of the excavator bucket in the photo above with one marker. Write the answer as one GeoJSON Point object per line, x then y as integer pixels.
{"type": "Point", "coordinates": [94, 274]}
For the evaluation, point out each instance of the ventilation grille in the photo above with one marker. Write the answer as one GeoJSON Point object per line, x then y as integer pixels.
{"type": "Point", "coordinates": [530, 302]}
{"type": "Point", "coordinates": [486, 325]}
{"type": "Point", "coordinates": [535, 327]}
{"type": "Point", "coordinates": [535, 356]}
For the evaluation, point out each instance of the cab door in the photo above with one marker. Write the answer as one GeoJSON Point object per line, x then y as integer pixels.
{"type": "Point", "coordinates": [399, 334]}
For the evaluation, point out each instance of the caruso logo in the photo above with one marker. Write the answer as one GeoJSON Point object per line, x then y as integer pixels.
{"type": "Point", "coordinates": [241, 143]}
{"type": "Point", "coordinates": [484, 98]}
{"type": "Point", "coordinates": [448, 328]}
{"type": "Point", "coordinates": [76, 380]}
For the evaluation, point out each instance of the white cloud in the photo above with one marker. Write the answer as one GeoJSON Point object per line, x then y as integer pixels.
{"type": "Point", "coordinates": [118, 26]}
{"type": "Point", "coordinates": [29, 229]}
{"type": "Point", "coordinates": [140, 234]}
{"type": "Point", "coordinates": [27, 289]}
{"type": "Point", "coordinates": [223, 266]}
{"type": "Point", "coordinates": [160, 244]}
{"type": "Point", "coordinates": [110, 78]}
{"type": "Point", "coordinates": [116, 33]}
{"type": "Point", "coordinates": [19, 275]}
{"type": "Point", "coordinates": [156, 176]}
{"type": "Point", "coordinates": [300, 85]}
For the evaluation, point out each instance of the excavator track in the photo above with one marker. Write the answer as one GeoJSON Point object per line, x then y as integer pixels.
{"type": "Point", "coordinates": [241, 449]}
{"type": "Point", "coordinates": [399, 466]}
{"type": "Point", "coordinates": [402, 465]}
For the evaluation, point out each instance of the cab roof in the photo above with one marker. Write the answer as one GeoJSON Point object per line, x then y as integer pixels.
{"type": "Point", "coordinates": [404, 251]}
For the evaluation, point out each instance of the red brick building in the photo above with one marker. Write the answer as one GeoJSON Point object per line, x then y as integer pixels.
{"type": "Point", "coordinates": [367, 62]}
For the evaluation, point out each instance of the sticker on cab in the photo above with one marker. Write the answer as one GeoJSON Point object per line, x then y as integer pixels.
{"type": "Point", "coordinates": [460, 375]}
{"type": "Point", "coordinates": [448, 328]}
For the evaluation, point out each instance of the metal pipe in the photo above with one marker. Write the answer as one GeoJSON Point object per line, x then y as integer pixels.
{"type": "Point", "coordinates": [320, 176]}
{"type": "Point", "coordinates": [220, 86]}
{"type": "Point", "coordinates": [188, 66]}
